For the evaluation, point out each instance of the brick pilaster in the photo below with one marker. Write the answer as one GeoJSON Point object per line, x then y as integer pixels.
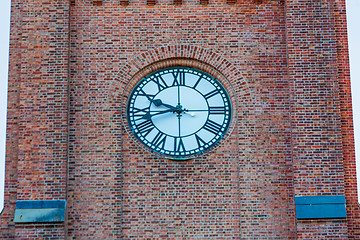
{"type": "Point", "coordinates": [316, 120]}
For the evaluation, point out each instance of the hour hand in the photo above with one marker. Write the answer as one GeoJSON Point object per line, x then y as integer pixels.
{"type": "Point", "coordinates": [158, 103]}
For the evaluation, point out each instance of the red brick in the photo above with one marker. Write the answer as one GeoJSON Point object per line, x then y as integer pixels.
{"type": "Point", "coordinates": [285, 64]}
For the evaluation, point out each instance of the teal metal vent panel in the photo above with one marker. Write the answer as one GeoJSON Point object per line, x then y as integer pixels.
{"type": "Point", "coordinates": [40, 211]}
{"type": "Point", "coordinates": [317, 207]}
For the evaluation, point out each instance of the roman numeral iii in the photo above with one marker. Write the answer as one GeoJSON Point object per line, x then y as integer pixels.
{"type": "Point", "coordinates": [217, 110]}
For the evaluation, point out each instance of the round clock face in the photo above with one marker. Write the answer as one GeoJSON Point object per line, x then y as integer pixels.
{"type": "Point", "coordinates": [179, 111]}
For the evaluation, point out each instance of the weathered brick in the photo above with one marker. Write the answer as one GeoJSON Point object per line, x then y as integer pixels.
{"type": "Point", "coordinates": [285, 65]}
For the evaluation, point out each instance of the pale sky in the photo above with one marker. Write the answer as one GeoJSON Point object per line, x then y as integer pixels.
{"type": "Point", "coordinates": [353, 16]}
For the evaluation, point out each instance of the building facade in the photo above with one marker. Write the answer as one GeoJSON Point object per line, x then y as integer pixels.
{"type": "Point", "coordinates": [283, 168]}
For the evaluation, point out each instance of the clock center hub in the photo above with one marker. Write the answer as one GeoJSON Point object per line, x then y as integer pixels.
{"type": "Point", "coordinates": [179, 110]}
{"type": "Point", "coordinates": [179, 116]}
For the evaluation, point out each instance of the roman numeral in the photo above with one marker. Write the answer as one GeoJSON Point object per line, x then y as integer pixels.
{"type": "Point", "coordinates": [160, 82]}
{"type": "Point", "coordinates": [199, 141]}
{"type": "Point", "coordinates": [144, 94]}
{"type": "Point", "coordinates": [145, 127]}
{"type": "Point", "coordinates": [139, 112]}
{"type": "Point", "coordinates": [197, 82]}
{"type": "Point", "coordinates": [211, 94]}
{"type": "Point", "coordinates": [217, 110]}
{"type": "Point", "coordinates": [178, 145]}
{"type": "Point", "coordinates": [179, 78]}
{"type": "Point", "coordinates": [159, 139]}
{"type": "Point", "coordinates": [212, 127]}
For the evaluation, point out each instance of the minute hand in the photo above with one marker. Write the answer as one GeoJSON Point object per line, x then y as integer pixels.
{"type": "Point", "coordinates": [148, 116]}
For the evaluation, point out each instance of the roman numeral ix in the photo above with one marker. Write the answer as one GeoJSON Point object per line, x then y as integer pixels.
{"type": "Point", "coordinates": [139, 112]}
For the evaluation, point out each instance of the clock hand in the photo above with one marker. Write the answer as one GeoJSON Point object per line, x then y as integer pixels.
{"type": "Point", "coordinates": [191, 114]}
{"type": "Point", "coordinates": [158, 103]}
{"type": "Point", "coordinates": [179, 117]}
{"type": "Point", "coordinates": [179, 94]}
{"type": "Point", "coordinates": [185, 111]}
{"type": "Point", "coordinates": [143, 93]}
{"type": "Point", "coordinates": [148, 116]}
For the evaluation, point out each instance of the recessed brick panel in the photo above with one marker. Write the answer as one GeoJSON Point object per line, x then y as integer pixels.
{"type": "Point", "coordinates": [39, 122]}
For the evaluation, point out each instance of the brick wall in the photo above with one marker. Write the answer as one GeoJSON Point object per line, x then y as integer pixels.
{"type": "Point", "coordinates": [37, 130]}
{"type": "Point", "coordinates": [285, 66]}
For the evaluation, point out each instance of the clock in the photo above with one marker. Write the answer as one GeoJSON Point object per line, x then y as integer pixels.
{"type": "Point", "coordinates": [179, 112]}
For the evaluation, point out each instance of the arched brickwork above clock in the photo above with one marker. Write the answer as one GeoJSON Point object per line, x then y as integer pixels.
{"type": "Point", "coordinates": [182, 55]}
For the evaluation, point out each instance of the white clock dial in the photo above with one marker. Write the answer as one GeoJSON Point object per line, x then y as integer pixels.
{"type": "Point", "coordinates": [179, 111]}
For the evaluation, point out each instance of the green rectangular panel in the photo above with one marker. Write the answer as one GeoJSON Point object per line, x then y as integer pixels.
{"type": "Point", "coordinates": [317, 207]}
{"type": "Point", "coordinates": [40, 211]}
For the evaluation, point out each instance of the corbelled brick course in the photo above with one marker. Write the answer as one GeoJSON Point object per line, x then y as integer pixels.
{"type": "Point", "coordinates": [285, 65]}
